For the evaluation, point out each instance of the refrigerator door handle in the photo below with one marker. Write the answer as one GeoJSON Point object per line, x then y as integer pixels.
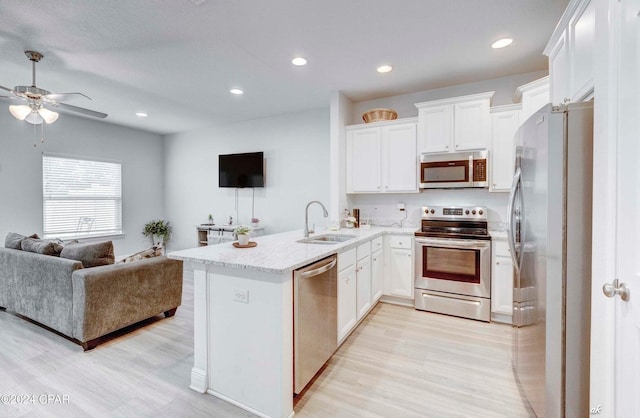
{"type": "Point", "coordinates": [511, 230]}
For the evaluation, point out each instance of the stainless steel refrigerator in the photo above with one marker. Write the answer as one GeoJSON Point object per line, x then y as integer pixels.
{"type": "Point", "coordinates": [550, 237]}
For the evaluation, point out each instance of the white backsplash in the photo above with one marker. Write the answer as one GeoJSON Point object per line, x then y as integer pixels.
{"type": "Point", "coordinates": [382, 208]}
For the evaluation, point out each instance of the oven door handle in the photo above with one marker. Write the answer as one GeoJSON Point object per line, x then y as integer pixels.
{"type": "Point", "coordinates": [474, 245]}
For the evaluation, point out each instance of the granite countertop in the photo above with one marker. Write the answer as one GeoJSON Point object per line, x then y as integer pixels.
{"type": "Point", "coordinates": [280, 253]}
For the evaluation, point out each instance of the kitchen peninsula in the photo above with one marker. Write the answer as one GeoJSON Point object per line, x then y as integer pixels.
{"type": "Point", "coordinates": [243, 315]}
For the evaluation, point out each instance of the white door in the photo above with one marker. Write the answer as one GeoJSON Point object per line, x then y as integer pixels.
{"type": "Point", "coordinates": [435, 128]}
{"type": "Point", "coordinates": [346, 300]}
{"type": "Point", "coordinates": [363, 160]}
{"type": "Point", "coordinates": [400, 160]}
{"type": "Point", "coordinates": [376, 275]}
{"type": "Point", "coordinates": [400, 277]}
{"type": "Point", "coordinates": [363, 279]}
{"type": "Point", "coordinates": [627, 314]}
{"type": "Point", "coordinates": [504, 126]}
{"type": "Point", "coordinates": [471, 125]}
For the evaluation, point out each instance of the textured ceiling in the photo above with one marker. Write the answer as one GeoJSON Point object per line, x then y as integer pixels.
{"type": "Point", "coordinates": [177, 61]}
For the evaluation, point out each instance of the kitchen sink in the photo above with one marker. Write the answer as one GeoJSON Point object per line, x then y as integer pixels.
{"type": "Point", "coordinates": [327, 239]}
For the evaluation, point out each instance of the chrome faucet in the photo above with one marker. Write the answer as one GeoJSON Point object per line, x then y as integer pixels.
{"type": "Point", "coordinates": [306, 216]}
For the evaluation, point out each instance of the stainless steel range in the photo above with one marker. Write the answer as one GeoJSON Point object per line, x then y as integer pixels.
{"type": "Point", "coordinates": [453, 262]}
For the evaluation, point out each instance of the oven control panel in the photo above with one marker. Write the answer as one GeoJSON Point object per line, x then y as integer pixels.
{"type": "Point", "coordinates": [455, 212]}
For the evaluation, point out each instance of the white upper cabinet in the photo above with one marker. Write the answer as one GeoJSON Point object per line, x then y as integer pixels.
{"type": "Point", "coordinates": [581, 51]}
{"type": "Point", "coordinates": [363, 160]}
{"type": "Point", "coordinates": [382, 159]}
{"type": "Point", "coordinates": [505, 121]}
{"type": "Point", "coordinates": [533, 95]}
{"type": "Point", "coordinates": [435, 124]}
{"type": "Point", "coordinates": [455, 124]}
{"type": "Point", "coordinates": [559, 71]}
{"type": "Point", "coordinates": [400, 162]}
{"type": "Point", "coordinates": [571, 54]}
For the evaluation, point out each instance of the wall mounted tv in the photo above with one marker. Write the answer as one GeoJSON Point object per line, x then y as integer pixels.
{"type": "Point", "coordinates": [241, 170]}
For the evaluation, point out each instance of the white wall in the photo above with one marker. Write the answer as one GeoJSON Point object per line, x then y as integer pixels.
{"type": "Point", "coordinates": [382, 208]}
{"type": "Point", "coordinates": [296, 149]}
{"type": "Point", "coordinates": [404, 104]}
{"type": "Point", "coordinates": [21, 172]}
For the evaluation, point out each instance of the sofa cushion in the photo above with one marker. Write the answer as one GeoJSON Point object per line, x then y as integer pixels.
{"type": "Point", "coordinates": [90, 254]}
{"type": "Point", "coordinates": [14, 241]}
{"type": "Point", "coordinates": [42, 246]}
{"type": "Point", "coordinates": [154, 251]}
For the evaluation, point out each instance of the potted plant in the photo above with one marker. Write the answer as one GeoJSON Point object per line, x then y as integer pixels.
{"type": "Point", "coordinates": [210, 219]}
{"type": "Point", "coordinates": [242, 232]}
{"type": "Point", "coordinates": [159, 232]}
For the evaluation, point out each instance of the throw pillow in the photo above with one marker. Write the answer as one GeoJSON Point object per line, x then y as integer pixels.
{"type": "Point", "coordinates": [41, 246]}
{"type": "Point", "coordinates": [90, 254]}
{"type": "Point", "coordinates": [154, 251]}
{"type": "Point", "coordinates": [14, 241]}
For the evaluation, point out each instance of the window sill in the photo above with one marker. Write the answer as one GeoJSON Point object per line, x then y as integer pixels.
{"type": "Point", "coordinates": [86, 238]}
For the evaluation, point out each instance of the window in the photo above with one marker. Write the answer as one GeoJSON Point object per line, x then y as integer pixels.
{"type": "Point", "coordinates": [81, 198]}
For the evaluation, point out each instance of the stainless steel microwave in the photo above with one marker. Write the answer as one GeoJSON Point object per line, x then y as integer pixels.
{"type": "Point", "coordinates": [454, 170]}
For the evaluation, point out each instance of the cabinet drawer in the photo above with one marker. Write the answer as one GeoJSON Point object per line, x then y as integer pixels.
{"type": "Point", "coordinates": [376, 244]}
{"type": "Point", "coordinates": [346, 259]}
{"type": "Point", "coordinates": [364, 250]}
{"type": "Point", "coordinates": [401, 241]}
{"type": "Point", "coordinates": [502, 248]}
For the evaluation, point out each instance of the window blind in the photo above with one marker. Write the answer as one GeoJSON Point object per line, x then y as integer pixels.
{"type": "Point", "coordinates": [81, 198]}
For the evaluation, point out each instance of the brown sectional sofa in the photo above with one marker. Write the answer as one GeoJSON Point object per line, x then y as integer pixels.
{"type": "Point", "coordinates": [87, 303]}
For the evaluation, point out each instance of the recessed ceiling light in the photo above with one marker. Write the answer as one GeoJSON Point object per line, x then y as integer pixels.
{"type": "Point", "coordinates": [299, 61]}
{"type": "Point", "coordinates": [141, 114]}
{"type": "Point", "coordinates": [384, 68]}
{"type": "Point", "coordinates": [501, 43]}
{"type": "Point", "coordinates": [236, 91]}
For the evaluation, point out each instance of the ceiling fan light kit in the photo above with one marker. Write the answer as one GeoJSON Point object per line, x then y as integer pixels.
{"type": "Point", "coordinates": [38, 104]}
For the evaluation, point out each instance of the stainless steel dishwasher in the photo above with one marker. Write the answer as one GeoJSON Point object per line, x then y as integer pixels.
{"type": "Point", "coordinates": [315, 319]}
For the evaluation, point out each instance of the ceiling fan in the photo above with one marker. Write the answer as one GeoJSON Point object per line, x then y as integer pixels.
{"type": "Point", "coordinates": [35, 105]}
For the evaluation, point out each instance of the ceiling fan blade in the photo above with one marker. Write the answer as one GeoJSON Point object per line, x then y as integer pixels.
{"type": "Point", "coordinates": [63, 106]}
{"type": "Point", "coordinates": [7, 89]}
{"type": "Point", "coordinates": [58, 97]}
{"type": "Point", "coordinates": [11, 98]}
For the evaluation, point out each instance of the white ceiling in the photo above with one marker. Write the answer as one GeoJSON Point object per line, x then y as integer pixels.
{"type": "Point", "coordinates": [177, 60]}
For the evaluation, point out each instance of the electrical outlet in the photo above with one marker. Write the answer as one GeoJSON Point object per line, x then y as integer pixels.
{"type": "Point", "coordinates": [241, 295]}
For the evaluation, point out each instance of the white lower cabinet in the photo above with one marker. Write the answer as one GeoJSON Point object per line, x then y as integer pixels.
{"type": "Point", "coordinates": [376, 267]}
{"type": "Point", "coordinates": [501, 282]}
{"type": "Point", "coordinates": [399, 277]}
{"type": "Point", "coordinates": [347, 292]}
{"type": "Point", "coordinates": [363, 279]}
{"type": "Point", "coordinates": [377, 275]}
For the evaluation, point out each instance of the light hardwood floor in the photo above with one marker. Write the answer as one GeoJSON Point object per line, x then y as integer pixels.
{"type": "Point", "coordinates": [398, 363]}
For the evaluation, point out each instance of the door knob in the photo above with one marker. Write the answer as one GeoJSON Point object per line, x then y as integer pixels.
{"type": "Point", "coordinates": [610, 290]}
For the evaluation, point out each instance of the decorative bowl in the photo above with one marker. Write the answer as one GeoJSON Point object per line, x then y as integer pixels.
{"type": "Point", "coordinates": [378, 115]}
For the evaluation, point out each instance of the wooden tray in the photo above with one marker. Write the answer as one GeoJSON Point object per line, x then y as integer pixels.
{"type": "Point", "coordinates": [249, 245]}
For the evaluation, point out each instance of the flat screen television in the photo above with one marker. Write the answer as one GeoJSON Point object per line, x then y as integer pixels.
{"type": "Point", "coordinates": [241, 170]}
